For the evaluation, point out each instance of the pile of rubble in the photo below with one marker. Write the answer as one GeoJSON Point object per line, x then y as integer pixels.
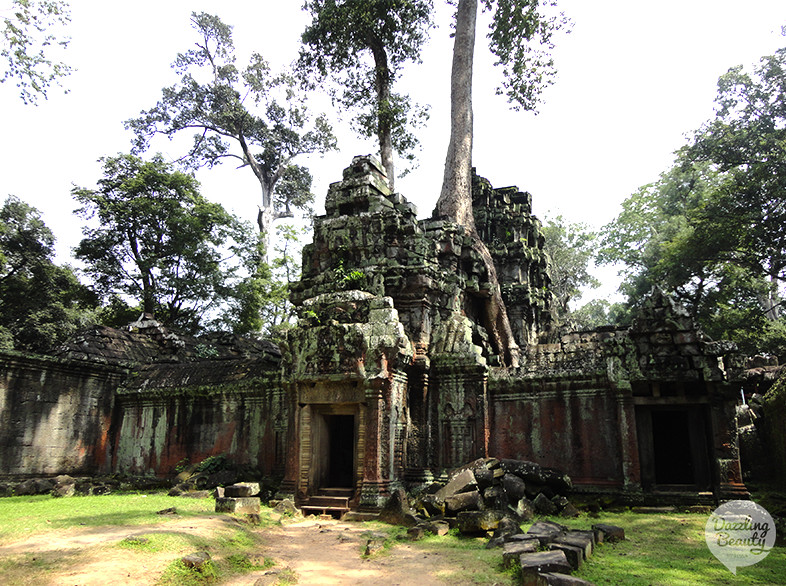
{"type": "Point", "coordinates": [489, 487]}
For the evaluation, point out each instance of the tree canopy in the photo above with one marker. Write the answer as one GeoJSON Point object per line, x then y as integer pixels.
{"type": "Point", "coordinates": [337, 44]}
{"type": "Point", "coordinates": [31, 29]}
{"type": "Point", "coordinates": [158, 241]}
{"type": "Point", "coordinates": [42, 303]}
{"type": "Point", "coordinates": [710, 230]}
{"type": "Point", "coordinates": [251, 116]}
{"type": "Point", "coordinates": [571, 249]}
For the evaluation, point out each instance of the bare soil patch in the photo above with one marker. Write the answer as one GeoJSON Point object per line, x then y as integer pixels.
{"type": "Point", "coordinates": [314, 551]}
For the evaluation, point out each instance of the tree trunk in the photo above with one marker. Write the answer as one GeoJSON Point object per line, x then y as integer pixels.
{"type": "Point", "coordinates": [455, 200]}
{"type": "Point", "coordinates": [384, 131]}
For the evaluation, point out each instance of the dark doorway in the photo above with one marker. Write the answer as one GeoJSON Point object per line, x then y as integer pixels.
{"type": "Point", "coordinates": [341, 439]}
{"type": "Point", "coordinates": [673, 447]}
{"type": "Point", "coordinates": [671, 443]}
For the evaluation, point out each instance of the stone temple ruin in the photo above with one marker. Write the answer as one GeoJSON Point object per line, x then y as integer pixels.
{"type": "Point", "coordinates": [389, 378]}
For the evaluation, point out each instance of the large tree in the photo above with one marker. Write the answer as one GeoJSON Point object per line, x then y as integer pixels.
{"type": "Point", "coordinates": [337, 44]}
{"type": "Point", "coordinates": [250, 116]}
{"type": "Point", "coordinates": [521, 39]}
{"type": "Point", "coordinates": [31, 29]}
{"type": "Point", "coordinates": [158, 241]}
{"type": "Point", "coordinates": [42, 303]}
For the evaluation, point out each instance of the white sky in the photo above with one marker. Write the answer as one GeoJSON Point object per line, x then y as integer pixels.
{"type": "Point", "coordinates": [634, 78]}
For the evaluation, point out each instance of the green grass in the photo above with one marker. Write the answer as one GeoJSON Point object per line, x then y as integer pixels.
{"type": "Point", "coordinates": [23, 516]}
{"type": "Point", "coordinates": [669, 550]}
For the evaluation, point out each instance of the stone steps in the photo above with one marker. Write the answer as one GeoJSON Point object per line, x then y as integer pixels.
{"type": "Point", "coordinates": [328, 501]}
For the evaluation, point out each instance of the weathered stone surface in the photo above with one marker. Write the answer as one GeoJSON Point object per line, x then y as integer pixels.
{"type": "Point", "coordinates": [475, 522]}
{"type": "Point", "coordinates": [575, 555]}
{"type": "Point", "coordinates": [242, 489]}
{"type": "Point", "coordinates": [569, 511]}
{"type": "Point", "coordinates": [514, 487]}
{"type": "Point", "coordinates": [240, 506]}
{"type": "Point", "coordinates": [506, 529]}
{"type": "Point", "coordinates": [608, 533]}
{"type": "Point", "coordinates": [581, 539]}
{"type": "Point", "coordinates": [462, 482]}
{"type": "Point", "coordinates": [524, 510]}
{"type": "Point", "coordinates": [544, 506]}
{"type": "Point", "coordinates": [196, 560]}
{"type": "Point", "coordinates": [512, 550]}
{"type": "Point", "coordinates": [437, 527]}
{"type": "Point", "coordinates": [546, 531]}
{"type": "Point", "coordinates": [416, 533]}
{"type": "Point", "coordinates": [545, 561]}
{"type": "Point", "coordinates": [167, 511]}
{"type": "Point", "coordinates": [464, 501]}
{"type": "Point", "coordinates": [397, 510]}
{"type": "Point", "coordinates": [284, 507]}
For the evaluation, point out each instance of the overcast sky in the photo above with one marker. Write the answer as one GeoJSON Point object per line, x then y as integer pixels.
{"type": "Point", "coordinates": [634, 78]}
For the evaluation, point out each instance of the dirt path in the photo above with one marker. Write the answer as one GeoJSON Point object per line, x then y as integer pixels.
{"type": "Point", "coordinates": [314, 551]}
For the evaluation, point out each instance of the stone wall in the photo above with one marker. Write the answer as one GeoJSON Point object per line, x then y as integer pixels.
{"type": "Point", "coordinates": [55, 416]}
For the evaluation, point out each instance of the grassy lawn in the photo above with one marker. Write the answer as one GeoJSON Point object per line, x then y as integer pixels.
{"type": "Point", "coordinates": [660, 549]}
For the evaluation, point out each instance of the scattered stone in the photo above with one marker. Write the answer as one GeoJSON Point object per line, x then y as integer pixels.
{"type": "Point", "coordinates": [514, 487]}
{"type": "Point", "coordinates": [464, 501]}
{"type": "Point", "coordinates": [477, 522]}
{"type": "Point", "coordinates": [375, 544]}
{"type": "Point", "coordinates": [569, 511]}
{"type": "Point", "coordinates": [169, 511]}
{"type": "Point", "coordinates": [543, 505]}
{"type": "Point", "coordinates": [196, 560]}
{"type": "Point", "coordinates": [416, 533]}
{"type": "Point", "coordinates": [545, 561]}
{"type": "Point", "coordinates": [575, 555]}
{"type": "Point", "coordinates": [242, 489]}
{"type": "Point", "coordinates": [525, 510]}
{"type": "Point", "coordinates": [511, 551]}
{"type": "Point", "coordinates": [464, 481]}
{"type": "Point", "coordinates": [285, 507]}
{"type": "Point", "coordinates": [581, 539]}
{"type": "Point", "coordinates": [437, 527]}
{"type": "Point", "coordinates": [546, 531]}
{"type": "Point", "coordinates": [397, 510]}
{"type": "Point", "coordinates": [240, 506]}
{"type": "Point", "coordinates": [506, 529]}
{"type": "Point", "coordinates": [610, 533]}
{"type": "Point", "coordinates": [253, 519]}
{"type": "Point", "coordinates": [65, 486]}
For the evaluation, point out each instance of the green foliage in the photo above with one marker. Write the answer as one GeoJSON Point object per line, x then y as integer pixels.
{"type": "Point", "coordinates": [158, 240]}
{"type": "Point", "coordinates": [521, 37]}
{"type": "Point", "coordinates": [598, 313]}
{"type": "Point", "coordinates": [260, 303]}
{"type": "Point", "coordinates": [249, 115]}
{"type": "Point", "coordinates": [361, 45]}
{"type": "Point", "coordinates": [42, 303]}
{"type": "Point", "coordinates": [710, 229]}
{"type": "Point", "coordinates": [571, 249]}
{"type": "Point", "coordinates": [348, 280]}
{"type": "Point", "coordinates": [29, 34]}
{"type": "Point", "coordinates": [179, 574]}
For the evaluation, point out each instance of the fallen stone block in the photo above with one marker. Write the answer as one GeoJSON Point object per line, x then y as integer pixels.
{"type": "Point", "coordinates": [416, 533]}
{"type": "Point", "coordinates": [543, 505]}
{"type": "Point", "coordinates": [242, 489]}
{"type": "Point", "coordinates": [240, 506]}
{"type": "Point", "coordinates": [462, 482]}
{"type": "Point", "coordinates": [610, 533]}
{"type": "Point", "coordinates": [569, 511]}
{"type": "Point", "coordinates": [196, 560]}
{"type": "Point", "coordinates": [545, 561]}
{"type": "Point", "coordinates": [580, 539]}
{"type": "Point", "coordinates": [437, 527]}
{"type": "Point", "coordinates": [476, 522]}
{"type": "Point", "coordinates": [511, 551]}
{"type": "Point", "coordinates": [574, 554]}
{"type": "Point", "coordinates": [464, 501]}
{"type": "Point", "coordinates": [514, 487]}
{"type": "Point", "coordinates": [546, 531]}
